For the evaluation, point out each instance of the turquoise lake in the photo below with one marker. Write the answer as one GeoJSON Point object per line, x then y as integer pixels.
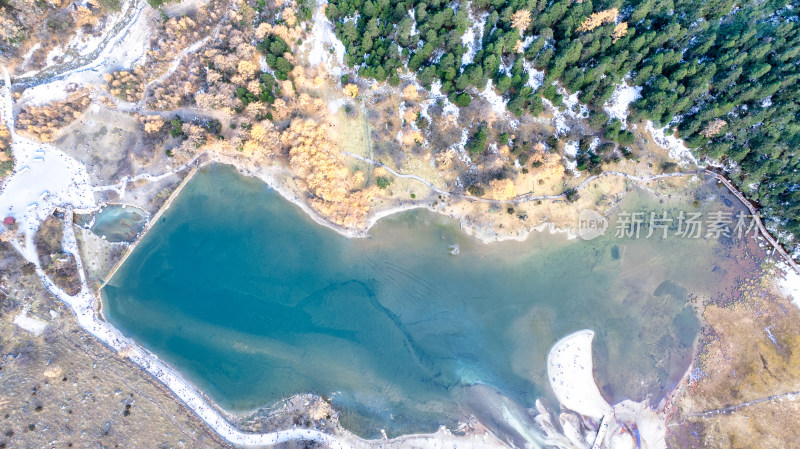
{"type": "Point", "coordinates": [253, 302]}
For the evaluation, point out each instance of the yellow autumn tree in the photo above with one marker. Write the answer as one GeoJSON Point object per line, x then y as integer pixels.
{"type": "Point", "coordinates": [620, 31]}
{"type": "Point", "coordinates": [288, 16]}
{"type": "Point", "coordinates": [249, 148]}
{"type": "Point", "coordinates": [351, 90]}
{"type": "Point", "coordinates": [410, 92]}
{"type": "Point", "coordinates": [319, 165]}
{"type": "Point", "coordinates": [521, 20]}
{"type": "Point", "coordinates": [247, 69]}
{"type": "Point", "coordinates": [258, 133]}
{"type": "Point", "coordinates": [599, 18]}
{"type": "Point", "coordinates": [153, 123]}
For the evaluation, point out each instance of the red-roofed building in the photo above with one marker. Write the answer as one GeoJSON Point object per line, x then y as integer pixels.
{"type": "Point", "coordinates": [8, 221]}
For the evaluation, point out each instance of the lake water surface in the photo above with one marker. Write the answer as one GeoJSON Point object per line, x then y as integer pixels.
{"type": "Point", "coordinates": [253, 302]}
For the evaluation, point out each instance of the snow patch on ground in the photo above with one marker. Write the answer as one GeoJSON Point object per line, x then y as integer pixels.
{"type": "Point", "coordinates": [535, 77]}
{"type": "Point", "coordinates": [322, 40]}
{"type": "Point", "coordinates": [527, 41]}
{"type": "Point", "coordinates": [46, 93]}
{"type": "Point", "coordinates": [30, 323]}
{"type": "Point", "coordinates": [677, 149]}
{"type": "Point", "coordinates": [43, 178]}
{"type": "Point", "coordinates": [560, 125]}
{"type": "Point", "coordinates": [401, 110]}
{"type": "Point", "coordinates": [413, 31]}
{"type": "Point", "coordinates": [335, 105]}
{"type": "Point", "coordinates": [56, 52]}
{"type": "Point", "coordinates": [572, 103]}
{"type": "Point", "coordinates": [505, 68]}
{"type": "Point", "coordinates": [28, 54]}
{"type": "Point", "coordinates": [558, 118]}
{"type": "Point", "coordinates": [132, 39]}
{"type": "Point", "coordinates": [436, 94]}
{"type": "Point", "coordinates": [262, 64]}
{"type": "Point", "coordinates": [570, 152]}
{"type": "Point", "coordinates": [497, 103]}
{"type": "Point", "coordinates": [459, 147]}
{"type": "Point", "coordinates": [571, 148]}
{"type": "Point", "coordinates": [571, 108]}
{"type": "Point", "coordinates": [617, 106]}
{"type": "Point", "coordinates": [122, 50]}
{"type": "Point", "coordinates": [594, 144]}
{"type": "Point", "coordinates": [789, 284]}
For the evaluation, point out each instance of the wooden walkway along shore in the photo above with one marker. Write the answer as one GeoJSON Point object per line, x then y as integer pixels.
{"type": "Point", "coordinates": [754, 212]}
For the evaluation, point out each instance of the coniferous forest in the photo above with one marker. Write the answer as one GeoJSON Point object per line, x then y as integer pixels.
{"type": "Point", "coordinates": [721, 74]}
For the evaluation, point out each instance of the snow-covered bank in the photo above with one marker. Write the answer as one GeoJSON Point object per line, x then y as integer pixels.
{"type": "Point", "coordinates": [569, 369]}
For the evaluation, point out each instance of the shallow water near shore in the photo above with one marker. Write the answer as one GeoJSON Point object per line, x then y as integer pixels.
{"type": "Point", "coordinates": [252, 301]}
{"type": "Point", "coordinates": [118, 223]}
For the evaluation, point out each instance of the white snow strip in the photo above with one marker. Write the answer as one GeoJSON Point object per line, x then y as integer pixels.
{"type": "Point", "coordinates": [414, 30]}
{"type": "Point", "coordinates": [26, 58]}
{"type": "Point", "coordinates": [594, 144]}
{"type": "Point", "coordinates": [122, 50]}
{"type": "Point", "coordinates": [472, 36]}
